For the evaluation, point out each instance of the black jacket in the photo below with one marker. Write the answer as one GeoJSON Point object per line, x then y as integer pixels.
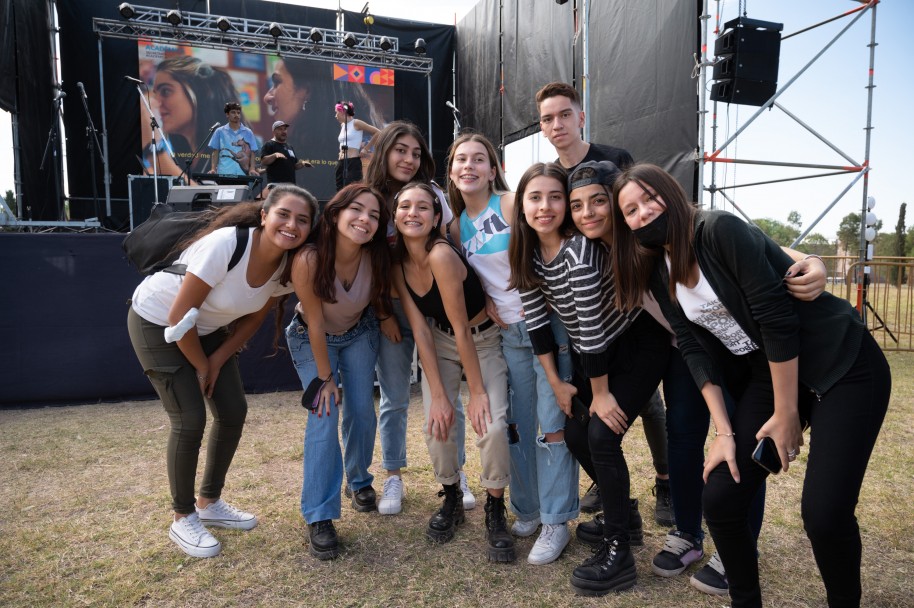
{"type": "Point", "coordinates": [746, 269]}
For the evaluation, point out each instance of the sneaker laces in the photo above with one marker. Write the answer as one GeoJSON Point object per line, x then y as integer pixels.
{"type": "Point", "coordinates": [547, 533]}
{"type": "Point", "coordinates": [449, 493]}
{"type": "Point", "coordinates": [393, 487]}
{"type": "Point", "coordinates": [677, 545]}
{"type": "Point", "coordinates": [222, 508]}
{"type": "Point", "coordinates": [192, 527]}
{"type": "Point", "coordinates": [323, 525]}
{"type": "Point", "coordinates": [605, 552]}
{"type": "Point", "coordinates": [717, 565]}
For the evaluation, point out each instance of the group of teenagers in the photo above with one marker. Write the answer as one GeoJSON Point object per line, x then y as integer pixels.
{"type": "Point", "coordinates": [563, 306]}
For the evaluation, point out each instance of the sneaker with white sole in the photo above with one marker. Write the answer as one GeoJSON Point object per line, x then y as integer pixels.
{"type": "Point", "coordinates": [391, 501]}
{"type": "Point", "coordinates": [679, 551]}
{"type": "Point", "coordinates": [220, 514]}
{"type": "Point", "coordinates": [550, 544]}
{"type": "Point", "coordinates": [525, 528]}
{"type": "Point", "coordinates": [195, 540]}
{"type": "Point", "coordinates": [712, 578]}
{"type": "Point", "coordinates": [469, 501]}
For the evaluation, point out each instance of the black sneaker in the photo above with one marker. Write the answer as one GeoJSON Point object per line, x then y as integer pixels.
{"type": "Point", "coordinates": [444, 522]}
{"type": "Point", "coordinates": [590, 502]}
{"type": "Point", "coordinates": [611, 568]}
{"type": "Point", "coordinates": [501, 543]}
{"type": "Point", "coordinates": [712, 578]}
{"type": "Point", "coordinates": [365, 500]}
{"type": "Point", "coordinates": [679, 551]}
{"type": "Point", "coordinates": [591, 532]}
{"type": "Point", "coordinates": [663, 510]}
{"type": "Point", "coordinates": [324, 542]}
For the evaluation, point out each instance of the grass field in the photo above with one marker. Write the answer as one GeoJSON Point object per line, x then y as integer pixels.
{"type": "Point", "coordinates": [85, 506]}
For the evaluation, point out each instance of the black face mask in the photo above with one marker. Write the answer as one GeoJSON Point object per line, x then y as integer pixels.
{"type": "Point", "coordinates": [655, 234]}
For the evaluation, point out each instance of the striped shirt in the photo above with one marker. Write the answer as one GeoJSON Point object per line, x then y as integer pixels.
{"type": "Point", "coordinates": [578, 284]}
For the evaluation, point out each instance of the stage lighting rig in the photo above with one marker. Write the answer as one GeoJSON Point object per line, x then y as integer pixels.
{"type": "Point", "coordinates": [275, 30]}
{"type": "Point", "coordinates": [126, 10]}
{"type": "Point", "coordinates": [315, 36]}
{"type": "Point", "coordinates": [173, 17]}
{"type": "Point", "coordinates": [420, 46]}
{"type": "Point", "coordinates": [349, 40]}
{"type": "Point", "coordinates": [385, 44]}
{"type": "Point", "coordinates": [223, 24]}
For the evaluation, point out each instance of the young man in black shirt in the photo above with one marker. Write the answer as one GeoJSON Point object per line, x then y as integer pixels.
{"type": "Point", "coordinates": [279, 157]}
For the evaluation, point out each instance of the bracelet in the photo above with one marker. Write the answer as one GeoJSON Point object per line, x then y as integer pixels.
{"type": "Point", "coordinates": [818, 257]}
{"type": "Point", "coordinates": [716, 434]}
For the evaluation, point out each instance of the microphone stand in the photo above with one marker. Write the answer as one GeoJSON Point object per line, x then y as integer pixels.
{"type": "Point", "coordinates": [154, 125]}
{"type": "Point", "coordinates": [51, 145]}
{"type": "Point", "coordinates": [93, 147]}
{"type": "Point", "coordinates": [457, 126]}
{"type": "Point", "coordinates": [188, 163]}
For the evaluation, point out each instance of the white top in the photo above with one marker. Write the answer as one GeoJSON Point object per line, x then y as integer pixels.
{"type": "Point", "coordinates": [703, 307]}
{"type": "Point", "coordinates": [485, 241]}
{"type": "Point", "coordinates": [349, 135]}
{"type": "Point", "coordinates": [208, 260]}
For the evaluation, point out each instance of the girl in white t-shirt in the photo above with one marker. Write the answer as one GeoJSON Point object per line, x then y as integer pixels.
{"type": "Point", "coordinates": [179, 328]}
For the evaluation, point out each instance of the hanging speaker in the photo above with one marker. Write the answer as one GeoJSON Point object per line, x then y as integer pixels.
{"type": "Point", "coordinates": [746, 70]}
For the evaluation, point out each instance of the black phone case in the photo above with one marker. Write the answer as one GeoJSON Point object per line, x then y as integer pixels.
{"type": "Point", "coordinates": [580, 411]}
{"type": "Point", "coordinates": [766, 456]}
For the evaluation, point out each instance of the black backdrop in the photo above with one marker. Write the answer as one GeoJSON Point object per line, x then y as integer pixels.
{"type": "Point", "coordinates": [79, 62]}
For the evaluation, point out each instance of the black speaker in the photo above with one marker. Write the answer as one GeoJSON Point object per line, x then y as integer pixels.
{"type": "Point", "coordinates": [198, 198]}
{"type": "Point", "coordinates": [141, 193]}
{"type": "Point", "coordinates": [747, 66]}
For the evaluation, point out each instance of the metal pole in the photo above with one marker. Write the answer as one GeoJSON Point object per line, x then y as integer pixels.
{"type": "Point", "coordinates": [585, 77]}
{"type": "Point", "coordinates": [702, 102]}
{"type": "Point", "coordinates": [428, 86]}
{"type": "Point", "coordinates": [866, 162]}
{"type": "Point", "coordinates": [105, 166]}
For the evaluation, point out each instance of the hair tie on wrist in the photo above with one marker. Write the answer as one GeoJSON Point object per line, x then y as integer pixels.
{"type": "Point", "coordinates": [716, 434]}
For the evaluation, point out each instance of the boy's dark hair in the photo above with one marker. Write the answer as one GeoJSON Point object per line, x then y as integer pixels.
{"type": "Point", "coordinates": [556, 89]}
{"type": "Point", "coordinates": [231, 105]}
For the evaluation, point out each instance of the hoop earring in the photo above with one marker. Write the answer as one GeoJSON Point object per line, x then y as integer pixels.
{"type": "Point", "coordinates": [304, 105]}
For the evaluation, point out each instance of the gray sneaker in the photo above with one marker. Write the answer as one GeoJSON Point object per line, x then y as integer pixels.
{"type": "Point", "coordinates": [712, 578]}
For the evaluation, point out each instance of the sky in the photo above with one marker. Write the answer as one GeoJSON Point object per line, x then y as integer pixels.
{"type": "Point", "coordinates": [830, 97]}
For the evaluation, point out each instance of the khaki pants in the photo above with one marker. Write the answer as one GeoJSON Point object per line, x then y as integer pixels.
{"type": "Point", "coordinates": [493, 446]}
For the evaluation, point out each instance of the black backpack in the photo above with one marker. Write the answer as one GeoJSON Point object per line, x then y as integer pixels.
{"type": "Point", "coordinates": [151, 246]}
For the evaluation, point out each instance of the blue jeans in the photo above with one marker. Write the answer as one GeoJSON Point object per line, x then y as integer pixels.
{"type": "Point", "coordinates": [544, 476]}
{"type": "Point", "coordinates": [394, 369]}
{"type": "Point", "coordinates": [352, 356]}
{"type": "Point", "coordinates": [687, 420]}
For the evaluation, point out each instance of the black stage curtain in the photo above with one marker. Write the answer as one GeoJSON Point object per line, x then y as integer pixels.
{"type": "Point", "coordinates": [642, 96]}
{"type": "Point", "coordinates": [26, 88]}
{"type": "Point", "coordinates": [79, 62]}
{"type": "Point", "coordinates": [63, 325]}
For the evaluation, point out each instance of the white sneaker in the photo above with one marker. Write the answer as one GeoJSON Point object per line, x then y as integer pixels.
{"type": "Point", "coordinates": [220, 514]}
{"type": "Point", "coordinates": [469, 501]}
{"type": "Point", "coordinates": [391, 501]}
{"type": "Point", "coordinates": [525, 528]}
{"type": "Point", "coordinates": [549, 546]}
{"type": "Point", "coordinates": [195, 540]}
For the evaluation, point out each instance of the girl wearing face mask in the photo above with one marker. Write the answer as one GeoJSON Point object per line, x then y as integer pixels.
{"type": "Point", "coordinates": [787, 363]}
{"type": "Point", "coordinates": [435, 282]}
{"type": "Point", "coordinates": [401, 156]}
{"type": "Point", "coordinates": [614, 355]}
{"type": "Point", "coordinates": [335, 333]}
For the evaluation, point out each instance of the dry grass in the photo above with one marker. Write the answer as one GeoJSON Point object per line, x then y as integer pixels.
{"type": "Point", "coordinates": [86, 508]}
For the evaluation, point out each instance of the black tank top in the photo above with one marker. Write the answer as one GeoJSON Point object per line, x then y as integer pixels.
{"type": "Point", "coordinates": [431, 305]}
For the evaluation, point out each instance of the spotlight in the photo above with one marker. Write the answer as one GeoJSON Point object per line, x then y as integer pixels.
{"type": "Point", "coordinates": [173, 17]}
{"type": "Point", "coordinates": [223, 24]}
{"type": "Point", "coordinates": [349, 40]}
{"type": "Point", "coordinates": [275, 30]}
{"type": "Point", "coordinates": [368, 20]}
{"type": "Point", "coordinates": [315, 36]}
{"type": "Point", "coordinates": [420, 46]}
{"type": "Point", "coordinates": [126, 10]}
{"type": "Point", "coordinates": [386, 44]}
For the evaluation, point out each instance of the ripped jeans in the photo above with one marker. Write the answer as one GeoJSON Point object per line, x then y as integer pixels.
{"type": "Point", "coordinates": [175, 381]}
{"type": "Point", "coordinates": [544, 476]}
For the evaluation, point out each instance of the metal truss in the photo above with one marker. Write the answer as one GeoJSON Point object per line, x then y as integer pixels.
{"type": "Point", "coordinates": [255, 36]}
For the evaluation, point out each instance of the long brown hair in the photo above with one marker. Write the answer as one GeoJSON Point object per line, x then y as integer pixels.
{"type": "Point", "coordinates": [632, 261]}
{"type": "Point", "coordinates": [376, 174]}
{"type": "Point", "coordinates": [498, 186]}
{"type": "Point", "coordinates": [325, 248]}
{"type": "Point", "coordinates": [399, 252]}
{"type": "Point", "coordinates": [524, 239]}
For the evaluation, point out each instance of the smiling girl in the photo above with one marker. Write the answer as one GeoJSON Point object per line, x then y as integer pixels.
{"type": "Point", "coordinates": [612, 352]}
{"type": "Point", "coordinates": [193, 368]}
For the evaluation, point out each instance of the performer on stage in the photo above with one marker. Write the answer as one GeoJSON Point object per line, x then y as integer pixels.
{"type": "Point", "coordinates": [233, 145]}
{"type": "Point", "coordinates": [349, 165]}
{"type": "Point", "coordinates": [279, 158]}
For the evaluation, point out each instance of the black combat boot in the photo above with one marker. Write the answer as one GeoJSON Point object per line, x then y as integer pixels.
{"type": "Point", "coordinates": [444, 522]}
{"type": "Point", "coordinates": [501, 543]}
{"type": "Point", "coordinates": [324, 542]}
{"type": "Point", "coordinates": [611, 568]}
{"type": "Point", "coordinates": [591, 532]}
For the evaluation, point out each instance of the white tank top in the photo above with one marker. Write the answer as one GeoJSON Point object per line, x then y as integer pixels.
{"type": "Point", "coordinates": [349, 135]}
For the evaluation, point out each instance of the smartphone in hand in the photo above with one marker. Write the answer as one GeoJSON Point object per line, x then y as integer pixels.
{"type": "Point", "coordinates": [766, 455]}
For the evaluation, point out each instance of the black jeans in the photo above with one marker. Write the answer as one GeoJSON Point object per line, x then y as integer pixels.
{"type": "Point", "coordinates": [348, 171]}
{"type": "Point", "coordinates": [637, 361]}
{"type": "Point", "coordinates": [175, 381]}
{"type": "Point", "coordinates": [844, 424]}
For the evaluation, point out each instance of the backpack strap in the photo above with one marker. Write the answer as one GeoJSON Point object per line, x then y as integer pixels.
{"type": "Point", "coordinates": [241, 243]}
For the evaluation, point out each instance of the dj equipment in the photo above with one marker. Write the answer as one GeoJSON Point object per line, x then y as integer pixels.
{"type": "Point", "coordinates": [221, 179]}
{"type": "Point", "coordinates": [198, 198]}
